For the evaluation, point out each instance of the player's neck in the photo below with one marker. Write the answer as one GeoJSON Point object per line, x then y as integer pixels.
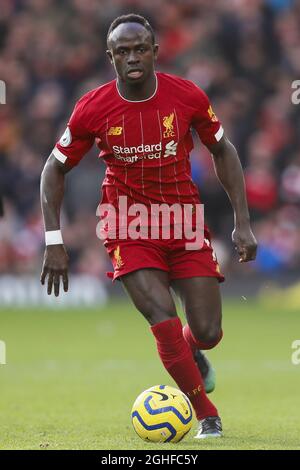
{"type": "Point", "coordinates": [136, 91]}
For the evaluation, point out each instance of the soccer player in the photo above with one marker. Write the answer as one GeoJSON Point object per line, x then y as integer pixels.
{"type": "Point", "coordinates": [141, 122]}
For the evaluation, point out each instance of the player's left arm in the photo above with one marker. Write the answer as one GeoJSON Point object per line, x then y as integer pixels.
{"type": "Point", "coordinates": [229, 170]}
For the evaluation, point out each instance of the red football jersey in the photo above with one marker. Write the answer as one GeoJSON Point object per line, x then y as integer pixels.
{"type": "Point", "coordinates": [145, 144]}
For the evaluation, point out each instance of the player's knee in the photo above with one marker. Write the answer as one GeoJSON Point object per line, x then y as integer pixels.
{"type": "Point", "coordinates": [209, 334]}
{"type": "Point", "coordinates": [157, 315]}
{"type": "Point", "coordinates": [156, 312]}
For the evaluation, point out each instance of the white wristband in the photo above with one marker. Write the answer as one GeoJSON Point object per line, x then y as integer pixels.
{"type": "Point", "coordinates": [53, 237]}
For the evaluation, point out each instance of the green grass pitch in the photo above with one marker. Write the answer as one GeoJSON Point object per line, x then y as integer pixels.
{"type": "Point", "coordinates": [72, 375]}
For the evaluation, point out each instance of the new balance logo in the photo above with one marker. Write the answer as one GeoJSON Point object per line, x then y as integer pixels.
{"type": "Point", "coordinates": [115, 131]}
{"type": "Point", "coordinates": [171, 148]}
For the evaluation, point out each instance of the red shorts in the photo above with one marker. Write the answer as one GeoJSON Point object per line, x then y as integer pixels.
{"type": "Point", "coordinates": [167, 255]}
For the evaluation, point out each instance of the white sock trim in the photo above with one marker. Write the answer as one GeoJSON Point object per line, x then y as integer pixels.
{"type": "Point", "coordinates": [59, 155]}
{"type": "Point", "coordinates": [53, 237]}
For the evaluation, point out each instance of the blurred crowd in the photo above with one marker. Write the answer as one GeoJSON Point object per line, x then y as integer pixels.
{"type": "Point", "coordinates": [244, 54]}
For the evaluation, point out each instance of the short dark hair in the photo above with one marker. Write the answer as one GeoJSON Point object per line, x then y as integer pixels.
{"type": "Point", "coordinates": [131, 18]}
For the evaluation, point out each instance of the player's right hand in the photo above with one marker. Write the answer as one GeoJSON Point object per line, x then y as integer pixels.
{"type": "Point", "coordinates": [55, 265]}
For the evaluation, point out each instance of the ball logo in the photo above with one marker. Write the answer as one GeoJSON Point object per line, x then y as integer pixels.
{"type": "Point", "coordinates": [164, 397]}
{"type": "Point", "coordinates": [66, 138]}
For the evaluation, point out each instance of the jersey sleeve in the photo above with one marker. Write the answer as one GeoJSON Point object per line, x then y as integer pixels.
{"type": "Point", "coordinates": [204, 120]}
{"type": "Point", "coordinates": [76, 140]}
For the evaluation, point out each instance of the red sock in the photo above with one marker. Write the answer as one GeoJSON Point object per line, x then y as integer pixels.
{"type": "Point", "coordinates": [194, 344]}
{"type": "Point", "coordinates": [177, 358]}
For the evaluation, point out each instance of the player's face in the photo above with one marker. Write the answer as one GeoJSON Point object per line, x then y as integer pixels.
{"type": "Point", "coordinates": [132, 53]}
